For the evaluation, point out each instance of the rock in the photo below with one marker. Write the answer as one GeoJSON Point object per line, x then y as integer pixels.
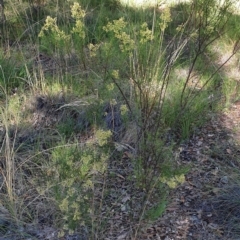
{"type": "Point", "coordinates": [224, 179]}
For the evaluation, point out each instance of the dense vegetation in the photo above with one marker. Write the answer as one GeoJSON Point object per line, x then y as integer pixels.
{"type": "Point", "coordinates": [90, 88]}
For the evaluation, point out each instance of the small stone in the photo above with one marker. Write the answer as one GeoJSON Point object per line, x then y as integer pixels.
{"type": "Point", "coordinates": [123, 208]}
{"type": "Point", "coordinates": [209, 215]}
{"type": "Point", "coordinates": [194, 218]}
{"type": "Point", "coordinates": [213, 226]}
{"type": "Point", "coordinates": [224, 179]}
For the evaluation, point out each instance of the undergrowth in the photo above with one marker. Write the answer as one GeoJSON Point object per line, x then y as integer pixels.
{"type": "Point", "coordinates": [81, 86]}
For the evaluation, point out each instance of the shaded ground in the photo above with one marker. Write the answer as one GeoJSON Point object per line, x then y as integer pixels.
{"type": "Point", "coordinates": [205, 206]}
{"type": "Point", "coordinates": [201, 208]}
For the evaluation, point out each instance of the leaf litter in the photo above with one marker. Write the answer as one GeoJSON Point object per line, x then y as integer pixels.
{"type": "Point", "coordinates": [196, 209]}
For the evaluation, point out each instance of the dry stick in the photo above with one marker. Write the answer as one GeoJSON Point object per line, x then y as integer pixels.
{"type": "Point", "coordinates": [145, 205]}
{"type": "Point", "coordinates": [136, 75]}
{"type": "Point", "coordinates": [101, 202]}
{"type": "Point", "coordinates": [121, 91]}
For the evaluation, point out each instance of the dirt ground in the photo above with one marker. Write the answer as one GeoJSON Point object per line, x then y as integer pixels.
{"type": "Point", "coordinates": [204, 207]}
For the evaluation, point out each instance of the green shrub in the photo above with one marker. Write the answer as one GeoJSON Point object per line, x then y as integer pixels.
{"type": "Point", "coordinates": [71, 176]}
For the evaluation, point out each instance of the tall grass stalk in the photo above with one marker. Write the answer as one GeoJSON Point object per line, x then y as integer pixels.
{"type": "Point", "coordinates": [8, 152]}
